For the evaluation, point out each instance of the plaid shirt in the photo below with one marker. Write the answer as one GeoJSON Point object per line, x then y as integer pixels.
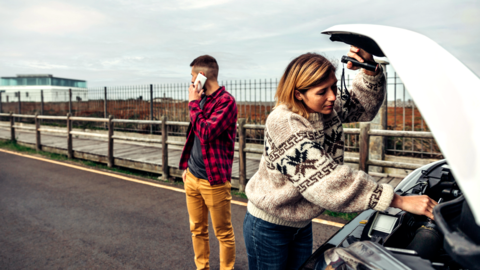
{"type": "Point", "coordinates": [216, 127]}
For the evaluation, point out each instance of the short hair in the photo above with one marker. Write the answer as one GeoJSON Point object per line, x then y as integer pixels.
{"type": "Point", "coordinates": [207, 64]}
{"type": "Point", "coordinates": [304, 72]}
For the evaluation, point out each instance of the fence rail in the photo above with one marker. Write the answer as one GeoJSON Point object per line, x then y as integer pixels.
{"type": "Point", "coordinates": [364, 133]}
{"type": "Point", "coordinates": [394, 133]}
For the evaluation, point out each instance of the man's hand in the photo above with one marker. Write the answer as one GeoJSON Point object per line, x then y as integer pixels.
{"type": "Point", "coordinates": [184, 175]}
{"type": "Point", "coordinates": [418, 205]}
{"type": "Point", "coordinates": [194, 93]}
{"type": "Point", "coordinates": [361, 56]}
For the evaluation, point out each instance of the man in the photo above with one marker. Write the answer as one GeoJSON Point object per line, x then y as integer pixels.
{"type": "Point", "coordinates": [207, 160]}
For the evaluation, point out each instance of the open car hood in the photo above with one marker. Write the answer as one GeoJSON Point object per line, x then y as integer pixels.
{"type": "Point", "coordinates": [446, 92]}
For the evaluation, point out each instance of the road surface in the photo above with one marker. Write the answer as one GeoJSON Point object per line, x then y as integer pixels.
{"type": "Point", "coordinates": [57, 217]}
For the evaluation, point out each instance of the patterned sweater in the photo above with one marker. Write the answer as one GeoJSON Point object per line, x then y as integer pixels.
{"type": "Point", "coordinates": [301, 172]}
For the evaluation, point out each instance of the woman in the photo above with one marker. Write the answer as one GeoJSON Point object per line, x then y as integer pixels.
{"type": "Point", "coordinates": [302, 173]}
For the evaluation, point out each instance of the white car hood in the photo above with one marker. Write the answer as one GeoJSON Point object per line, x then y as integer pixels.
{"type": "Point", "coordinates": [446, 92]}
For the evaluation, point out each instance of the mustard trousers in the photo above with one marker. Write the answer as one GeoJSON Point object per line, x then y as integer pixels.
{"type": "Point", "coordinates": [201, 199]}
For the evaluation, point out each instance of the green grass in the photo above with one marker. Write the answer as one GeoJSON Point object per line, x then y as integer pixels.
{"type": "Point", "coordinates": [346, 216]}
{"type": "Point", "coordinates": [13, 146]}
{"type": "Point", "coordinates": [239, 194]}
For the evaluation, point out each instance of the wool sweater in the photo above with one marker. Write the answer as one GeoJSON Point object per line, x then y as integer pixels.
{"type": "Point", "coordinates": [301, 171]}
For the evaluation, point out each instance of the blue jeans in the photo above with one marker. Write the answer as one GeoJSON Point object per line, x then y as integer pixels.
{"type": "Point", "coordinates": [275, 247]}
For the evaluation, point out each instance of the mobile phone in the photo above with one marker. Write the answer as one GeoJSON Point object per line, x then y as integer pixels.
{"type": "Point", "coordinates": [201, 79]}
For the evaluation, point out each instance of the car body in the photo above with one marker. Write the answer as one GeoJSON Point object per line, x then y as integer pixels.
{"type": "Point", "coordinates": [448, 95]}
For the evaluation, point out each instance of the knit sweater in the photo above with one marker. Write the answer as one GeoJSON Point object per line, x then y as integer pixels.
{"type": "Point", "coordinates": [301, 172]}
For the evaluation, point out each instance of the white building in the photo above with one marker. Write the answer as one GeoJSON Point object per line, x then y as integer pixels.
{"type": "Point", "coordinates": [30, 86]}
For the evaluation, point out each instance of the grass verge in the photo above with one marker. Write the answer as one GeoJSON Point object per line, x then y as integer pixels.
{"type": "Point", "coordinates": [346, 216]}
{"type": "Point", "coordinates": [13, 146]}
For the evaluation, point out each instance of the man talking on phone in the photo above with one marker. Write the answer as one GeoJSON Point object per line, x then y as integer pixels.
{"type": "Point", "coordinates": [207, 159]}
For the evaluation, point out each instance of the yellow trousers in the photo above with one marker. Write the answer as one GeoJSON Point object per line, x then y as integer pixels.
{"type": "Point", "coordinates": [201, 199]}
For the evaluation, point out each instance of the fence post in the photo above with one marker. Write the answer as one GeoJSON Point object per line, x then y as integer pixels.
{"type": "Point", "coordinates": [378, 145]}
{"type": "Point", "coordinates": [110, 142]}
{"type": "Point", "coordinates": [364, 140]}
{"type": "Point", "coordinates": [242, 155]}
{"type": "Point", "coordinates": [38, 145]}
{"type": "Point", "coordinates": [41, 98]}
{"type": "Point", "coordinates": [70, 101]}
{"type": "Point", "coordinates": [164, 148]}
{"type": "Point", "coordinates": [12, 129]}
{"type": "Point", "coordinates": [151, 107]}
{"type": "Point", "coordinates": [69, 137]}
{"type": "Point", "coordinates": [19, 104]}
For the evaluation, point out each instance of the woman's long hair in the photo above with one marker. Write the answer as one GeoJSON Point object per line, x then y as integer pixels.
{"type": "Point", "coordinates": [304, 72]}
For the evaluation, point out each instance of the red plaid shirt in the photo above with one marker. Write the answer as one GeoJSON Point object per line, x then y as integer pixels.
{"type": "Point", "coordinates": [216, 127]}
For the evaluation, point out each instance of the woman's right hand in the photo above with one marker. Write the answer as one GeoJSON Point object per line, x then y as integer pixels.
{"type": "Point", "coordinates": [418, 205]}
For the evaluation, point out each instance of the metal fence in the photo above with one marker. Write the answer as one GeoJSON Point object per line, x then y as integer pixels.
{"type": "Point", "coordinates": [255, 100]}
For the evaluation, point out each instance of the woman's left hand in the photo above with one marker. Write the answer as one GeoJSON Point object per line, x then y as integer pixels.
{"type": "Point", "coordinates": [361, 56]}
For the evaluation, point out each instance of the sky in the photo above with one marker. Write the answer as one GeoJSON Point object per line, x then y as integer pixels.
{"type": "Point", "coordinates": [129, 42]}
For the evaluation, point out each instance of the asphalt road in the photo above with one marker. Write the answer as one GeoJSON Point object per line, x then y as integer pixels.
{"type": "Point", "coordinates": [57, 217]}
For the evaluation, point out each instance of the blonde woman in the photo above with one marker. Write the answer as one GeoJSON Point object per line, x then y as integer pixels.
{"type": "Point", "coordinates": [301, 172]}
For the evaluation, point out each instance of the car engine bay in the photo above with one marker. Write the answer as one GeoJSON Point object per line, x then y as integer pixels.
{"type": "Point", "coordinates": [396, 239]}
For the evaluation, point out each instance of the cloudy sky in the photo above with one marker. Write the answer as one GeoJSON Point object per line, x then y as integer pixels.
{"type": "Point", "coordinates": [126, 42]}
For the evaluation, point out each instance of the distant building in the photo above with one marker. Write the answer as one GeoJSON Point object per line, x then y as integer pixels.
{"type": "Point", "coordinates": [54, 89]}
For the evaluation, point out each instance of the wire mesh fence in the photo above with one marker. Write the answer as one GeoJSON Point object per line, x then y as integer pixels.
{"type": "Point", "coordinates": [255, 100]}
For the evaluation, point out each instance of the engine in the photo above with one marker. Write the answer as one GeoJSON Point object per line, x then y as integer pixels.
{"type": "Point", "coordinates": [405, 233]}
{"type": "Point", "coordinates": [452, 241]}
